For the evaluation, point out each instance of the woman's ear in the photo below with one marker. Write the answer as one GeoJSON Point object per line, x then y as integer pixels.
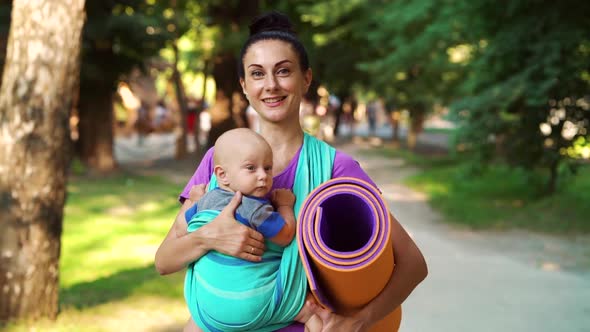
{"type": "Point", "coordinates": [242, 84]}
{"type": "Point", "coordinates": [221, 175]}
{"type": "Point", "coordinates": [307, 77]}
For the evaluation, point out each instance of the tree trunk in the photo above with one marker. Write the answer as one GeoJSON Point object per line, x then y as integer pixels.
{"type": "Point", "coordinates": [394, 118]}
{"type": "Point", "coordinates": [181, 148]}
{"type": "Point", "coordinates": [95, 143]}
{"type": "Point", "coordinates": [226, 82]}
{"type": "Point", "coordinates": [40, 76]}
{"type": "Point", "coordinates": [416, 126]}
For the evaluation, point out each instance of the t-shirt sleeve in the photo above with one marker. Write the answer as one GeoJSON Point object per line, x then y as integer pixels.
{"type": "Point", "coordinates": [346, 166]}
{"type": "Point", "coordinates": [267, 221]}
{"type": "Point", "coordinates": [190, 213]}
{"type": "Point", "coordinates": [201, 176]}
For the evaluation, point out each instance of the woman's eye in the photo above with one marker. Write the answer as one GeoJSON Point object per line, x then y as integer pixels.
{"type": "Point", "coordinates": [283, 72]}
{"type": "Point", "coordinates": [256, 74]}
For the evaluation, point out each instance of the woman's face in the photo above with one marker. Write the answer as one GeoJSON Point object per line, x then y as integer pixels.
{"type": "Point", "coordinates": [273, 81]}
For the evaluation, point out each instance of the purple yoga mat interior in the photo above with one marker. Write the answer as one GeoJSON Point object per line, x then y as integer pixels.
{"type": "Point", "coordinates": [342, 226]}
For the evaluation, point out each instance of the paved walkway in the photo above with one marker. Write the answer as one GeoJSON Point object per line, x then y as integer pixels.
{"type": "Point", "coordinates": [481, 281]}
{"type": "Point", "coordinates": [478, 281]}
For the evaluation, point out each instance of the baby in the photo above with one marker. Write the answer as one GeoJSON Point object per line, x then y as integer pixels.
{"type": "Point", "coordinates": [237, 294]}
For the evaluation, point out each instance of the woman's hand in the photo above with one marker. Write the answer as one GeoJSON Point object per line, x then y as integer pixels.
{"type": "Point", "coordinates": [332, 322]}
{"type": "Point", "coordinates": [226, 235]}
{"type": "Point", "coordinates": [196, 192]}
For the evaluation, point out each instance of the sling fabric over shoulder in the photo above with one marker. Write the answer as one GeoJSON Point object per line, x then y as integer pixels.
{"type": "Point", "coordinates": [225, 293]}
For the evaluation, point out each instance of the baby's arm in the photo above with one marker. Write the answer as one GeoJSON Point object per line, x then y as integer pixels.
{"type": "Point", "coordinates": [283, 200]}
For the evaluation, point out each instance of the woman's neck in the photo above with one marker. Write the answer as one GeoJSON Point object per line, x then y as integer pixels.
{"type": "Point", "coordinates": [284, 141]}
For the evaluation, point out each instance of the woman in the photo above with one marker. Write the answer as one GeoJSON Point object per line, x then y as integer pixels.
{"type": "Point", "coordinates": [274, 76]}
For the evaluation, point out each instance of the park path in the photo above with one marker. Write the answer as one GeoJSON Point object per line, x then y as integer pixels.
{"type": "Point", "coordinates": [484, 281]}
{"type": "Point", "coordinates": [478, 281]}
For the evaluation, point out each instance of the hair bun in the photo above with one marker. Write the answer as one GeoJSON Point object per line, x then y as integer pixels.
{"type": "Point", "coordinates": [271, 21]}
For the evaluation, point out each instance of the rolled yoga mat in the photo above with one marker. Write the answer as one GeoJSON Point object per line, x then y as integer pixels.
{"type": "Point", "coordinates": [344, 239]}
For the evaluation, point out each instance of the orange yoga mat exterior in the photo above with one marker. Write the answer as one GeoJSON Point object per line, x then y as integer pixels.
{"type": "Point", "coordinates": [344, 239]}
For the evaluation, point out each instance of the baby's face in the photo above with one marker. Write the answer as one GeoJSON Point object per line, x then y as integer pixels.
{"type": "Point", "coordinates": [249, 171]}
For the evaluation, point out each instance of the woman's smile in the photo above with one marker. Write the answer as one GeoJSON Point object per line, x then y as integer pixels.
{"type": "Point", "coordinates": [274, 102]}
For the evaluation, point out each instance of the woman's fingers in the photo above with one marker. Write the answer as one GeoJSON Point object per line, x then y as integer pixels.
{"type": "Point", "coordinates": [256, 239]}
{"type": "Point", "coordinates": [249, 257]}
{"type": "Point", "coordinates": [233, 238]}
{"type": "Point", "coordinates": [253, 246]}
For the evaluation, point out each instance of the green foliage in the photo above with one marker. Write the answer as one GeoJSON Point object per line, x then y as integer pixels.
{"type": "Point", "coordinates": [119, 35]}
{"type": "Point", "coordinates": [338, 42]}
{"type": "Point", "coordinates": [499, 197]}
{"type": "Point", "coordinates": [526, 72]}
{"type": "Point", "coordinates": [507, 198]}
{"type": "Point", "coordinates": [396, 48]}
{"type": "Point", "coordinates": [505, 70]}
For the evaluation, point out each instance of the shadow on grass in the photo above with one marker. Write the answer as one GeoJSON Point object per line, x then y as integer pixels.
{"type": "Point", "coordinates": [119, 286]}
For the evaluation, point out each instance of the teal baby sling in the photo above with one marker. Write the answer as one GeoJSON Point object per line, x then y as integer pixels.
{"type": "Point", "coordinates": [225, 293]}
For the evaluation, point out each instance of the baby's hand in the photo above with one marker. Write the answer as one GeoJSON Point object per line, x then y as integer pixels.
{"type": "Point", "coordinates": [280, 197]}
{"type": "Point", "coordinates": [196, 192]}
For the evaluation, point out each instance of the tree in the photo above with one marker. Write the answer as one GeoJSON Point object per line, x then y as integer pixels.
{"type": "Point", "coordinates": [229, 20]}
{"type": "Point", "coordinates": [39, 82]}
{"type": "Point", "coordinates": [526, 96]}
{"type": "Point", "coordinates": [118, 36]}
{"type": "Point", "coordinates": [335, 33]}
{"type": "Point", "coordinates": [395, 49]}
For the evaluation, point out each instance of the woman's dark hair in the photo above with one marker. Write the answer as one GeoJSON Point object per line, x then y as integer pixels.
{"type": "Point", "coordinates": [273, 26]}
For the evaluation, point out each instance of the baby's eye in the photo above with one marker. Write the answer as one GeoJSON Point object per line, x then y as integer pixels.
{"type": "Point", "coordinates": [268, 168]}
{"type": "Point", "coordinates": [250, 167]}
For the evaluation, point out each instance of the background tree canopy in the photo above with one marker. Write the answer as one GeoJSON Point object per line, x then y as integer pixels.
{"type": "Point", "coordinates": [516, 77]}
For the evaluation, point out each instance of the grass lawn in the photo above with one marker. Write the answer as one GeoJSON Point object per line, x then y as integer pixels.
{"type": "Point", "coordinates": [501, 198]}
{"type": "Point", "coordinates": [448, 131]}
{"type": "Point", "coordinates": [112, 228]}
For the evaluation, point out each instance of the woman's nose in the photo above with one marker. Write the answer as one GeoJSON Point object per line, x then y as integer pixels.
{"type": "Point", "coordinates": [270, 83]}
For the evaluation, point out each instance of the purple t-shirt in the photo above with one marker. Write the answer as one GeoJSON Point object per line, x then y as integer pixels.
{"type": "Point", "coordinates": [344, 165]}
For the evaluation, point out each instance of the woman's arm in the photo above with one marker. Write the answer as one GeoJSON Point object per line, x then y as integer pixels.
{"type": "Point", "coordinates": [179, 247]}
{"type": "Point", "coordinates": [410, 269]}
{"type": "Point", "coordinates": [223, 234]}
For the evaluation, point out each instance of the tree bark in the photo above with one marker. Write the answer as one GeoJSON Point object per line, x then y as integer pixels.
{"type": "Point", "coordinates": [394, 119]}
{"type": "Point", "coordinates": [40, 77]}
{"type": "Point", "coordinates": [226, 82]}
{"type": "Point", "coordinates": [417, 115]}
{"type": "Point", "coordinates": [95, 143]}
{"type": "Point", "coordinates": [181, 148]}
